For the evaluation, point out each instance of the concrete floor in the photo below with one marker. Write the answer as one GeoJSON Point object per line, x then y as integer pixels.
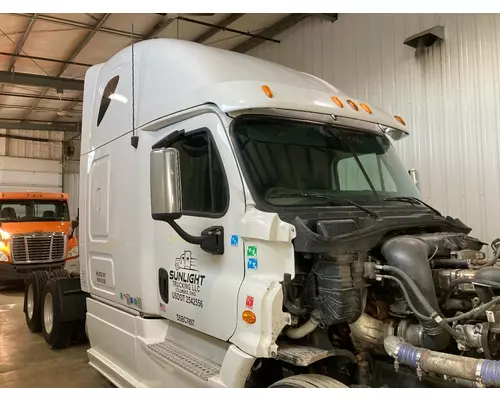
{"type": "Point", "coordinates": [25, 359]}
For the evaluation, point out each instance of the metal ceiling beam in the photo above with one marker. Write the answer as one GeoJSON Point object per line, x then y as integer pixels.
{"type": "Point", "coordinates": [328, 17]}
{"type": "Point", "coordinates": [83, 43]}
{"type": "Point", "coordinates": [18, 107]}
{"type": "Point", "coordinates": [29, 138]}
{"type": "Point", "coordinates": [222, 27]}
{"type": "Point", "coordinates": [33, 126]}
{"type": "Point", "coordinates": [54, 60]}
{"type": "Point", "coordinates": [76, 24]}
{"type": "Point", "coordinates": [75, 53]}
{"type": "Point", "coordinates": [262, 38]}
{"type": "Point", "coordinates": [22, 41]}
{"type": "Point", "coordinates": [159, 27]}
{"type": "Point", "coordinates": [36, 96]}
{"type": "Point", "coordinates": [275, 29]}
{"type": "Point", "coordinates": [19, 45]}
{"type": "Point", "coordinates": [41, 81]}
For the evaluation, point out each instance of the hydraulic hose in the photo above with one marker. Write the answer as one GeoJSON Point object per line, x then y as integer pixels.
{"type": "Point", "coordinates": [494, 259]}
{"type": "Point", "coordinates": [407, 298]}
{"type": "Point", "coordinates": [305, 329]}
{"type": "Point", "coordinates": [445, 321]}
{"type": "Point", "coordinates": [475, 282]}
{"type": "Point", "coordinates": [471, 313]}
{"type": "Point", "coordinates": [490, 274]}
{"type": "Point", "coordinates": [414, 288]}
{"type": "Point", "coordinates": [407, 258]}
{"type": "Point", "coordinates": [433, 314]}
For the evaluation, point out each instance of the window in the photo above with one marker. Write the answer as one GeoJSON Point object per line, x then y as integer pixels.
{"type": "Point", "coordinates": [33, 210]}
{"type": "Point", "coordinates": [290, 163]}
{"type": "Point", "coordinates": [351, 177]}
{"type": "Point", "coordinates": [204, 185]}
{"type": "Point", "coordinates": [109, 90]}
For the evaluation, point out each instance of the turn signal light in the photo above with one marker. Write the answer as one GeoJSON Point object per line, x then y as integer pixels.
{"type": "Point", "coordinates": [353, 105]}
{"type": "Point", "coordinates": [249, 317]}
{"type": "Point", "coordinates": [365, 107]}
{"type": "Point", "coordinates": [267, 91]}
{"type": "Point", "coordinates": [400, 120]}
{"type": "Point", "coordinates": [337, 101]}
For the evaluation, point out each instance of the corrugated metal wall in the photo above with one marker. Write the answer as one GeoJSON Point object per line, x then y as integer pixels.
{"type": "Point", "coordinates": [71, 179]}
{"type": "Point", "coordinates": [449, 95]}
{"type": "Point", "coordinates": [31, 149]}
{"type": "Point", "coordinates": [30, 156]}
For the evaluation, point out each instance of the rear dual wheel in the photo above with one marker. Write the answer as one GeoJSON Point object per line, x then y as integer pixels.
{"type": "Point", "coordinates": [35, 282]}
{"type": "Point", "coordinates": [57, 333]}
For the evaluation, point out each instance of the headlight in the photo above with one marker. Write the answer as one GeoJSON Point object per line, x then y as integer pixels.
{"type": "Point", "coordinates": [4, 235]}
{"type": "Point", "coordinates": [3, 257]}
{"type": "Point", "coordinates": [73, 252]}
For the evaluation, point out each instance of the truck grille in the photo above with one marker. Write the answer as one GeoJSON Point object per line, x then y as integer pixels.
{"type": "Point", "coordinates": [38, 248]}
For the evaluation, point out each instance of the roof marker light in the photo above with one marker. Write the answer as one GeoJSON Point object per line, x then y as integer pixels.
{"type": "Point", "coordinates": [366, 108]}
{"type": "Point", "coordinates": [337, 101]}
{"type": "Point", "coordinates": [400, 120]}
{"type": "Point", "coordinates": [353, 105]}
{"type": "Point", "coordinates": [267, 91]}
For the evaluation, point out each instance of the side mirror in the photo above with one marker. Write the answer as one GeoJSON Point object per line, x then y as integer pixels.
{"type": "Point", "coordinates": [414, 177]}
{"type": "Point", "coordinates": [166, 200]}
{"type": "Point", "coordinates": [165, 182]}
{"type": "Point", "coordinates": [74, 225]}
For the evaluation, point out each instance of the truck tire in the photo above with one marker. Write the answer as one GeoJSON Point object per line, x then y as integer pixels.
{"type": "Point", "coordinates": [57, 334]}
{"type": "Point", "coordinates": [59, 273]}
{"type": "Point", "coordinates": [308, 381]}
{"type": "Point", "coordinates": [33, 290]}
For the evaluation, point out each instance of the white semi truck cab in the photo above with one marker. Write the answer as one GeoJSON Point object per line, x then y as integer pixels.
{"type": "Point", "coordinates": [243, 224]}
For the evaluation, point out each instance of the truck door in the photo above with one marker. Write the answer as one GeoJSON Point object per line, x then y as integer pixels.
{"type": "Point", "coordinates": [195, 288]}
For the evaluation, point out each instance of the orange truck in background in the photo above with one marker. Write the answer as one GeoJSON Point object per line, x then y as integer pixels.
{"type": "Point", "coordinates": [36, 234]}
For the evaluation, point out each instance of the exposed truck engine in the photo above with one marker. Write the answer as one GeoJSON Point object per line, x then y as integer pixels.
{"type": "Point", "coordinates": [423, 297]}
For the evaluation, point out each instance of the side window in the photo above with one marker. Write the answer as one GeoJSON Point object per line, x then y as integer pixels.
{"type": "Point", "coordinates": [204, 185]}
{"type": "Point", "coordinates": [107, 94]}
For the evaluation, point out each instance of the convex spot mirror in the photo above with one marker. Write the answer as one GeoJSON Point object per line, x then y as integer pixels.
{"type": "Point", "coordinates": [165, 182]}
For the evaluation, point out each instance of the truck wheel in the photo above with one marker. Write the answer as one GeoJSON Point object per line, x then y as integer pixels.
{"type": "Point", "coordinates": [308, 381]}
{"type": "Point", "coordinates": [57, 334]}
{"type": "Point", "coordinates": [33, 289]}
{"type": "Point", "coordinates": [60, 273]}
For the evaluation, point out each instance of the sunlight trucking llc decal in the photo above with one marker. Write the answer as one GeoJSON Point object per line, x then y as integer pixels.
{"type": "Point", "coordinates": [186, 280]}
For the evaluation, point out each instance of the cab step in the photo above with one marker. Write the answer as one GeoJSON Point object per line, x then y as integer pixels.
{"type": "Point", "coordinates": [183, 358]}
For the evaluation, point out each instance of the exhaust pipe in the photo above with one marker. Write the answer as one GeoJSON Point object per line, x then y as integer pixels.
{"type": "Point", "coordinates": [410, 255]}
{"type": "Point", "coordinates": [484, 372]}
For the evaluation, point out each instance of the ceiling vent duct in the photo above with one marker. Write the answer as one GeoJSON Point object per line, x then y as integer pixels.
{"type": "Point", "coordinates": [425, 38]}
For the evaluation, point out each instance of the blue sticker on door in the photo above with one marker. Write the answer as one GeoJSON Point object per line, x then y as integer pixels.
{"type": "Point", "coordinates": [234, 240]}
{"type": "Point", "coordinates": [252, 263]}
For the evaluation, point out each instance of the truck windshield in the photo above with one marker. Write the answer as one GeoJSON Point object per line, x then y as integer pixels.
{"type": "Point", "coordinates": [33, 210]}
{"type": "Point", "coordinates": [285, 158]}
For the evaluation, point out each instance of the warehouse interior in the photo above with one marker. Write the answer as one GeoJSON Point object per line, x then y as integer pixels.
{"type": "Point", "coordinates": [446, 89]}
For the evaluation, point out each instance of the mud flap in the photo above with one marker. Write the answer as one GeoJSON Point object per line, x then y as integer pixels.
{"type": "Point", "coordinates": [73, 306]}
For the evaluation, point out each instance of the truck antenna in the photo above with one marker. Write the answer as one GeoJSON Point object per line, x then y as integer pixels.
{"type": "Point", "coordinates": [134, 140]}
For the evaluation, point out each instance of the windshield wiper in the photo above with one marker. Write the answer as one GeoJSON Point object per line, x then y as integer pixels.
{"type": "Point", "coordinates": [413, 200]}
{"type": "Point", "coordinates": [331, 199]}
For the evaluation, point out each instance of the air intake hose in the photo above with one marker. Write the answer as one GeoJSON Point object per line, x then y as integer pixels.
{"type": "Point", "coordinates": [410, 255]}
{"type": "Point", "coordinates": [485, 372]}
